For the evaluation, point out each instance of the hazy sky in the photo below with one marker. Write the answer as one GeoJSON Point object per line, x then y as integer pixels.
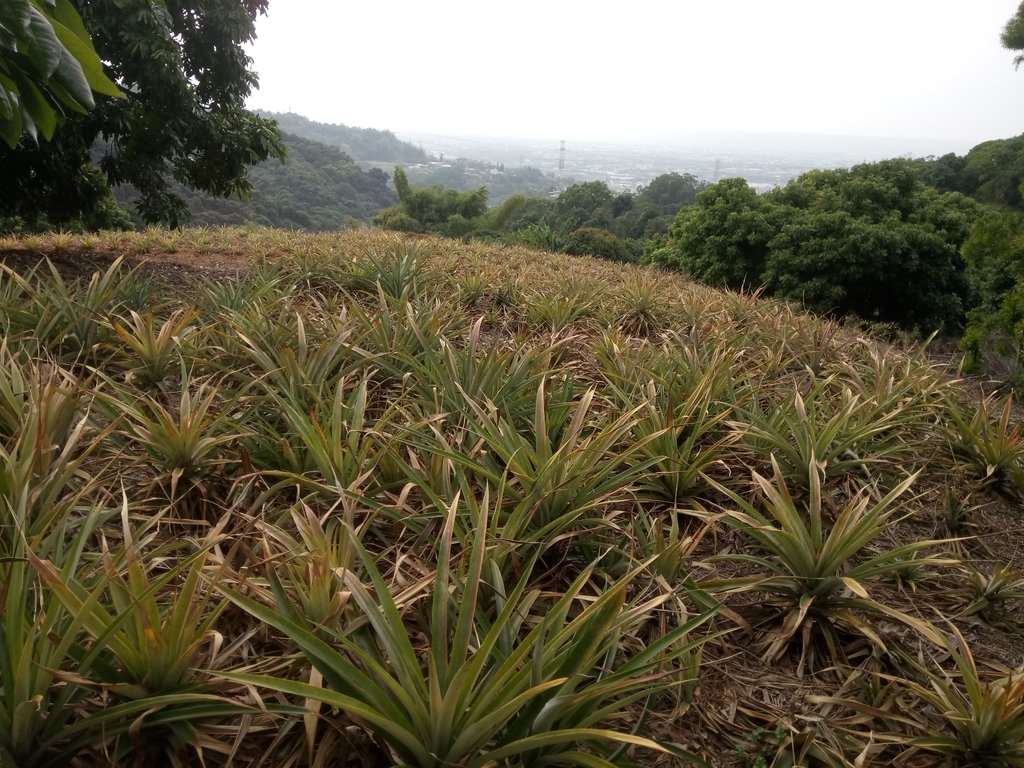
{"type": "Point", "coordinates": [645, 70]}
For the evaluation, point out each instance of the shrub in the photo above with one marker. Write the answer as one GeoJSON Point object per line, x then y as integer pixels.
{"type": "Point", "coordinates": [590, 241]}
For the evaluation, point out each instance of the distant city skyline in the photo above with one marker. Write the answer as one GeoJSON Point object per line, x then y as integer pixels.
{"type": "Point", "coordinates": [852, 148]}
{"type": "Point", "coordinates": [764, 160]}
{"type": "Point", "coordinates": [647, 71]}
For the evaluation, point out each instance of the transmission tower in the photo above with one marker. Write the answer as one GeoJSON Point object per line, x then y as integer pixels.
{"type": "Point", "coordinates": [561, 157]}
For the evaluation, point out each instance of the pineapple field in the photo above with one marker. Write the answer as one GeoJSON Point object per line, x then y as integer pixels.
{"type": "Point", "coordinates": [275, 499]}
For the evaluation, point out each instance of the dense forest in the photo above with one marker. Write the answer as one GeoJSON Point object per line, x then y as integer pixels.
{"type": "Point", "coordinates": [993, 174]}
{"type": "Point", "coordinates": [465, 175]}
{"type": "Point", "coordinates": [317, 188]}
{"type": "Point", "coordinates": [364, 145]}
{"type": "Point", "coordinates": [587, 218]}
{"type": "Point", "coordinates": [847, 242]}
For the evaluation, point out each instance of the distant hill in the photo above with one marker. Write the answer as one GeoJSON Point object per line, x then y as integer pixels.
{"type": "Point", "coordinates": [368, 145]}
{"type": "Point", "coordinates": [318, 188]}
{"type": "Point", "coordinates": [365, 145]}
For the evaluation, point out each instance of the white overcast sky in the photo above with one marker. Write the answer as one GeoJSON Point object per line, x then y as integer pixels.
{"type": "Point", "coordinates": [643, 70]}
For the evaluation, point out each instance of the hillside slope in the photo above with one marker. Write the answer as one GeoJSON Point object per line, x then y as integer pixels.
{"type": "Point", "coordinates": [485, 504]}
{"type": "Point", "coordinates": [365, 145]}
{"type": "Point", "coordinates": [317, 188]}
